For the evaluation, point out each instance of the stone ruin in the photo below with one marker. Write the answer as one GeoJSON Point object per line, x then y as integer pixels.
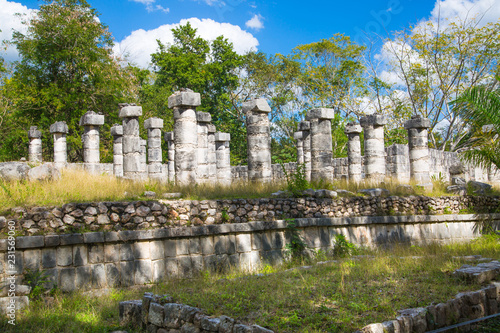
{"type": "Point", "coordinates": [197, 153]}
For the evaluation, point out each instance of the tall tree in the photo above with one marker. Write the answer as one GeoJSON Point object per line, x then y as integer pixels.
{"type": "Point", "coordinates": [66, 69]}
{"type": "Point", "coordinates": [207, 67]}
{"type": "Point", "coordinates": [332, 73]}
{"type": "Point", "coordinates": [436, 63]}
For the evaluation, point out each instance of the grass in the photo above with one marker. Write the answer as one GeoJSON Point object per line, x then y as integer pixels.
{"type": "Point", "coordinates": [335, 297]}
{"type": "Point", "coordinates": [79, 186]}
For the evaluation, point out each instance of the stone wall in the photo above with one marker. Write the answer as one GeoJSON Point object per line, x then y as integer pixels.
{"type": "Point", "coordinates": [465, 306]}
{"type": "Point", "coordinates": [95, 260]}
{"type": "Point", "coordinates": [137, 215]}
{"type": "Point", "coordinates": [159, 313]}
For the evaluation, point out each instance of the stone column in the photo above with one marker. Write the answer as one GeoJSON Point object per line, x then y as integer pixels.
{"type": "Point", "coordinates": [305, 128]}
{"type": "Point", "coordinates": [60, 129]}
{"type": "Point", "coordinates": [258, 140]}
{"type": "Point", "coordinates": [321, 144]}
{"type": "Point", "coordinates": [35, 147]}
{"type": "Point", "coordinates": [419, 149]}
{"type": "Point", "coordinates": [144, 159]}
{"type": "Point", "coordinates": [223, 158]}
{"type": "Point", "coordinates": [300, 146]}
{"type": "Point", "coordinates": [352, 130]}
{"type": "Point", "coordinates": [132, 157]}
{"type": "Point", "coordinates": [373, 126]}
{"type": "Point", "coordinates": [212, 157]}
{"type": "Point", "coordinates": [169, 138]}
{"type": "Point", "coordinates": [91, 122]}
{"type": "Point", "coordinates": [203, 119]}
{"type": "Point", "coordinates": [154, 126]}
{"type": "Point", "coordinates": [117, 133]}
{"type": "Point", "coordinates": [184, 104]}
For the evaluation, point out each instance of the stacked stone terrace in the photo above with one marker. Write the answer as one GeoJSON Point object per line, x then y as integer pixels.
{"type": "Point", "coordinates": [197, 153]}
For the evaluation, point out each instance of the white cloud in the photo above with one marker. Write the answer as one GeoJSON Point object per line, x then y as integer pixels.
{"type": "Point", "coordinates": [150, 5]}
{"type": "Point", "coordinates": [10, 22]}
{"type": "Point", "coordinates": [138, 46]}
{"type": "Point", "coordinates": [256, 22]}
{"type": "Point", "coordinates": [463, 10]}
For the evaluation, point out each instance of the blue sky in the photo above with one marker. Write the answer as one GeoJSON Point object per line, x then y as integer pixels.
{"type": "Point", "coordinates": [269, 26]}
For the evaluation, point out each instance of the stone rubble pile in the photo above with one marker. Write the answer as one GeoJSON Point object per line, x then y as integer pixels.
{"type": "Point", "coordinates": [161, 314]}
{"type": "Point", "coordinates": [137, 215]}
{"type": "Point", "coordinates": [465, 306]}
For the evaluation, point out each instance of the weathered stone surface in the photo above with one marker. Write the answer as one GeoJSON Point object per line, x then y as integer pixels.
{"type": "Point", "coordinates": [92, 119]}
{"type": "Point", "coordinates": [11, 171]}
{"type": "Point", "coordinates": [46, 171]}
{"type": "Point", "coordinates": [59, 127]}
{"type": "Point", "coordinates": [130, 110]}
{"type": "Point", "coordinates": [481, 273]}
{"type": "Point", "coordinates": [184, 98]}
{"type": "Point", "coordinates": [320, 113]}
{"type": "Point", "coordinates": [479, 187]}
{"type": "Point", "coordinates": [256, 105]}
{"type": "Point", "coordinates": [130, 313]}
{"type": "Point", "coordinates": [374, 192]}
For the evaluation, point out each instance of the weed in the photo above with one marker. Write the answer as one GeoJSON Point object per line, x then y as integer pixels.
{"type": "Point", "coordinates": [343, 247]}
{"type": "Point", "coordinates": [296, 180]}
{"type": "Point", "coordinates": [35, 279]}
{"type": "Point", "coordinates": [225, 216]}
{"type": "Point", "coordinates": [447, 210]}
{"type": "Point", "coordinates": [296, 246]}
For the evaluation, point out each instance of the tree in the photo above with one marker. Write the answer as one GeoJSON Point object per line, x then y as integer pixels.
{"type": "Point", "coordinates": [209, 68]}
{"type": "Point", "coordinates": [66, 69]}
{"type": "Point", "coordinates": [479, 108]}
{"type": "Point", "coordinates": [331, 73]}
{"type": "Point", "coordinates": [435, 64]}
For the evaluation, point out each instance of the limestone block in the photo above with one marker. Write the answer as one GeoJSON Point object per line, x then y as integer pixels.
{"type": "Point", "coordinates": [353, 129]}
{"type": "Point", "coordinates": [222, 136]}
{"type": "Point", "coordinates": [143, 273]}
{"type": "Point", "coordinates": [304, 126]}
{"type": "Point", "coordinates": [67, 279]}
{"type": "Point", "coordinates": [130, 111]}
{"type": "Point", "coordinates": [203, 117]}
{"type": "Point", "coordinates": [256, 105]}
{"type": "Point", "coordinates": [159, 271]}
{"type": "Point", "coordinates": [34, 133]}
{"type": "Point", "coordinates": [211, 128]}
{"type": "Point", "coordinates": [130, 313]}
{"type": "Point", "coordinates": [298, 135]}
{"type": "Point", "coordinates": [92, 119]}
{"type": "Point", "coordinates": [49, 258]}
{"type": "Point", "coordinates": [59, 127]}
{"type": "Point", "coordinates": [373, 120]}
{"type": "Point", "coordinates": [98, 273]}
{"type": "Point", "coordinates": [186, 98]}
{"type": "Point", "coordinates": [116, 130]}
{"type": "Point", "coordinates": [320, 113]}
{"type": "Point", "coordinates": [113, 275]}
{"type": "Point", "coordinates": [417, 122]}
{"type": "Point", "coordinates": [153, 122]}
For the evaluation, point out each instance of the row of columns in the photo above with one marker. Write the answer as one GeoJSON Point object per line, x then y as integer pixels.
{"type": "Point", "coordinates": [314, 147]}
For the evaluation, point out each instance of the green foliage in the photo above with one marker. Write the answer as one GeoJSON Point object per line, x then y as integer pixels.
{"type": "Point", "coordinates": [207, 67]}
{"type": "Point", "coordinates": [35, 279]}
{"type": "Point", "coordinates": [296, 246]}
{"type": "Point", "coordinates": [479, 106]}
{"type": "Point", "coordinates": [66, 69]}
{"type": "Point", "coordinates": [343, 247]}
{"type": "Point", "coordinates": [296, 180]}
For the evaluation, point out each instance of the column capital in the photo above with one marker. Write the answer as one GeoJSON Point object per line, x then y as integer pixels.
{"type": "Point", "coordinates": [129, 110]}
{"type": "Point", "coordinates": [418, 122]}
{"type": "Point", "coordinates": [321, 113]}
{"type": "Point", "coordinates": [116, 130]}
{"type": "Point", "coordinates": [375, 119]}
{"type": "Point", "coordinates": [34, 133]}
{"type": "Point", "coordinates": [92, 119]}
{"type": "Point", "coordinates": [185, 97]}
{"type": "Point", "coordinates": [153, 122]}
{"type": "Point", "coordinates": [256, 105]}
{"type": "Point", "coordinates": [353, 128]}
{"type": "Point", "coordinates": [59, 127]}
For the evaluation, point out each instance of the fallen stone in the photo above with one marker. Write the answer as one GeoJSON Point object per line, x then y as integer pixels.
{"type": "Point", "coordinates": [478, 187]}
{"type": "Point", "coordinates": [171, 195]}
{"type": "Point", "coordinates": [279, 194]}
{"type": "Point", "coordinates": [457, 189]}
{"type": "Point", "coordinates": [46, 171]}
{"type": "Point", "coordinates": [325, 194]}
{"type": "Point", "coordinates": [309, 192]}
{"type": "Point", "coordinates": [483, 272]}
{"type": "Point", "coordinates": [149, 194]}
{"type": "Point", "coordinates": [345, 193]}
{"type": "Point", "coordinates": [374, 192]}
{"type": "Point", "coordinates": [11, 171]}
{"type": "Point", "coordinates": [458, 181]}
